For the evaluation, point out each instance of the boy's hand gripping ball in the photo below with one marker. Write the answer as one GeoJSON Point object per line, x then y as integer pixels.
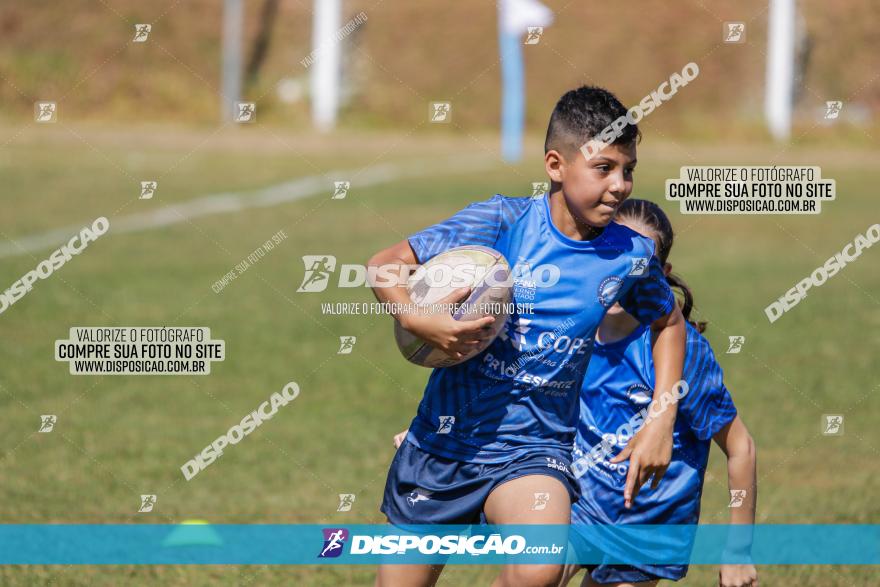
{"type": "Point", "coordinates": [483, 270]}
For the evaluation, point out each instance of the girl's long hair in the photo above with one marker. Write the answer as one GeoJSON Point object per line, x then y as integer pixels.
{"type": "Point", "coordinates": [651, 217]}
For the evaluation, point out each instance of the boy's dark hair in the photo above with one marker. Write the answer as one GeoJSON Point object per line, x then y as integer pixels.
{"type": "Point", "coordinates": [652, 217]}
{"type": "Point", "coordinates": [581, 115]}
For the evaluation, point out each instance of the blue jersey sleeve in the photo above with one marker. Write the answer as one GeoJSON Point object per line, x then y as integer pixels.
{"type": "Point", "coordinates": [478, 224]}
{"type": "Point", "coordinates": [650, 297]}
{"type": "Point", "coordinates": [707, 407]}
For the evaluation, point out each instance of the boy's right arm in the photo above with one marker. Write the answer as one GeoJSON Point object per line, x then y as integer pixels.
{"type": "Point", "coordinates": [455, 338]}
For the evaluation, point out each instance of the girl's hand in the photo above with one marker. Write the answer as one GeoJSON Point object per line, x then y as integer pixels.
{"type": "Point", "coordinates": [399, 438]}
{"type": "Point", "coordinates": [738, 576]}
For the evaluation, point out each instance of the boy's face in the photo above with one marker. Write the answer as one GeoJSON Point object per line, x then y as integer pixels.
{"type": "Point", "coordinates": [593, 189]}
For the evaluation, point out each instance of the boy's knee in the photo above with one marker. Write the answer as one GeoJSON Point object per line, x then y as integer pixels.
{"type": "Point", "coordinates": [532, 575]}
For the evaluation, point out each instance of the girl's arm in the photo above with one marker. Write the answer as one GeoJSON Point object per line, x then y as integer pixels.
{"type": "Point", "coordinates": [650, 450]}
{"type": "Point", "coordinates": [736, 442]}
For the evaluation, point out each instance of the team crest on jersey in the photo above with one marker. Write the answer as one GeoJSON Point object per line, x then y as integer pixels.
{"type": "Point", "coordinates": [639, 266]}
{"type": "Point", "coordinates": [639, 394]}
{"type": "Point", "coordinates": [608, 290]}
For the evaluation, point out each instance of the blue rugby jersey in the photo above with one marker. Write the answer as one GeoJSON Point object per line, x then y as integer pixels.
{"type": "Point", "coordinates": [618, 384]}
{"type": "Point", "coordinates": [521, 393]}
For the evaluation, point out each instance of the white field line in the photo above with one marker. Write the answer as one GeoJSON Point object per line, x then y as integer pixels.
{"type": "Point", "coordinates": [227, 202]}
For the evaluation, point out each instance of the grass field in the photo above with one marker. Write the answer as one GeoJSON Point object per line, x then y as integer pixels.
{"type": "Point", "coordinates": [119, 437]}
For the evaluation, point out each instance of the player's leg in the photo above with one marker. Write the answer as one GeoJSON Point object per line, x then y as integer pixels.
{"type": "Point", "coordinates": [408, 575]}
{"type": "Point", "coordinates": [572, 570]}
{"type": "Point", "coordinates": [424, 489]}
{"type": "Point", "coordinates": [622, 576]}
{"type": "Point", "coordinates": [513, 502]}
{"type": "Point", "coordinates": [569, 573]}
{"type": "Point", "coordinates": [589, 582]}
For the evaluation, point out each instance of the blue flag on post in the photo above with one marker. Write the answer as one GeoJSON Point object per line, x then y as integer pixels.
{"type": "Point", "coordinates": [516, 19]}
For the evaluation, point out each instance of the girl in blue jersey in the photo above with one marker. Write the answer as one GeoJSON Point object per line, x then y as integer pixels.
{"type": "Point", "coordinates": [493, 431]}
{"type": "Point", "coordinates": [617, 386]}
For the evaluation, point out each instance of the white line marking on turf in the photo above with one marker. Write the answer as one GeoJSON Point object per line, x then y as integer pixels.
{"type": "Point", "coordinates": [275, 195]}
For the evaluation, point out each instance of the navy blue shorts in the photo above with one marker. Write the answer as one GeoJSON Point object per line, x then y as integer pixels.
{"type": "Point", "coordinates": [423, 488]}
{"type": "Point", "coordinates": [602, 573]}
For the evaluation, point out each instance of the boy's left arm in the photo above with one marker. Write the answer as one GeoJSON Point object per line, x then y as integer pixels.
{"type": "Point", "coordinates": [650, 449]}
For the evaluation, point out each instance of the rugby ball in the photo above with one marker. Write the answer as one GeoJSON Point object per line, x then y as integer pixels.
{"type": "Point", "coordinates": [482, 269]}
